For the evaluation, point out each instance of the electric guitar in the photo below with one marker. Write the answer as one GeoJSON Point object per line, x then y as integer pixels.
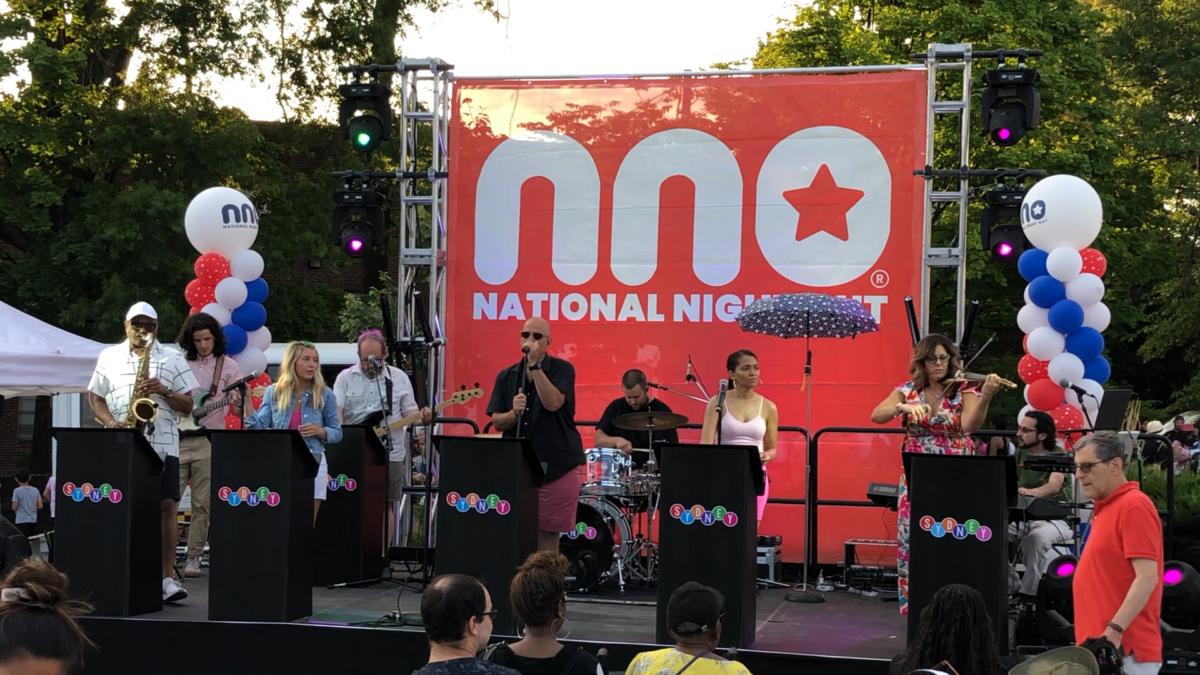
{"type": "Point", "coordinates": [204, 403]}
{"type": "Point", "coordinates": [457, 398]}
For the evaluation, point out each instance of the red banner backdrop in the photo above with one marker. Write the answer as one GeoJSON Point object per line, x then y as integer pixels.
{"type": "Point", "coordinates": [640, 216]}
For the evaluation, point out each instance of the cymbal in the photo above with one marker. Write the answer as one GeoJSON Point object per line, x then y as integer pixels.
{"type": "Point", "coordinates": [650, 420]}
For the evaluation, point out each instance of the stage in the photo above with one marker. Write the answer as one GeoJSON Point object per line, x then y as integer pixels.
{"type": "Point", "coordinates": [846, 634]}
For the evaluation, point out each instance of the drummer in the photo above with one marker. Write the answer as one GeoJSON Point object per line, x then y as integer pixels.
{"type": "Point", "coordinates": [636, 399]}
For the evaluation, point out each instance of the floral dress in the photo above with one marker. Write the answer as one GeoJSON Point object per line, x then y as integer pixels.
{"type": "Point", "coordinates": [939, 434]}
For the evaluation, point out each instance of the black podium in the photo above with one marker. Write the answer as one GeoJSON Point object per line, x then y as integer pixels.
{"type": "Point", "coordinates": [487, 513]}
{"type": "Point", "coordinates": [261, 563]}
{"type": "Point", "coordinates": [959, 530]}
{"type": "Point", "coordinates": [708, 530]}
{"type": "Point", "coordinates": [108, 531]}
{"type": "Point", "coordinates": [350, 522]}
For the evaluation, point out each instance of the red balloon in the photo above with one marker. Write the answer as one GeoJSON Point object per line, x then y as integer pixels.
{"type": "Point", "coordinates": [1068, 418]}
{"type": "Point", "coordinates": [1045, 394]}
{"type": "Point", "coordinates": [199, 293]}
{"type": "Point", "coordinates": [1025, 344]}
{"type": "Point", "coordinates": [193, 310]}
{"type": "Point", "coordinates": [1094, 262]}
{"type": "Point", "coordinates": [1031, 370]}
{"type": "Point", "coordinates": [211, 267]}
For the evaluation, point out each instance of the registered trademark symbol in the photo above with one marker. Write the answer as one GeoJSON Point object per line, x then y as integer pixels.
{"type": "Point", "coordinates": [880, 278]}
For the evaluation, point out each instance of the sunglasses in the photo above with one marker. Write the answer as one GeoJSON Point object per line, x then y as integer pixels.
{"type": "Point", "coordinates": [144, 325]}
{"type": "Point", "coordinates": [1086, 467]}
{"type": "Point", "coordinates": [525, 335]}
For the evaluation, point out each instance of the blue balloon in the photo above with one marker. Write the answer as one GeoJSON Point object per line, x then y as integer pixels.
{"type": "Point", "coordinates": [1066, 316]}
{"type": "Point", "coordinates": [1032, 264]}
{"type": "Point", "coordinates": [1097, 369]}
{"type": "Point", "coordinates": [1086, 343]}
{"type": "Point", "coordinates": [257, 290]}
{"type": "Point", "coordinates": [235, 339]}
{"type": "Point", "coordinates": [250, 316]}
{"type": "Point", "coordinates": [1045, 290]}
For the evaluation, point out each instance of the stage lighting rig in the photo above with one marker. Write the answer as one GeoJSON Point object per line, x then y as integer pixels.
{"type": "Point", "coordinates": [1000, 226]}
{"type": "Point", "coordinates": [1181, 595]}
{"type": "Point", "coordinates": [1011, 103]}
{"type": "Point", "coordinates": [359, 221]}
{"type": "Point", "coordinates": [1055, 609]}
{"type": "Point", "coordinates": [365, 113]}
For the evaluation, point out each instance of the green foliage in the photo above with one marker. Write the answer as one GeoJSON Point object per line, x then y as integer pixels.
{"type": "Point", "coordinates": [359, 311]}
{"type": "Point", "coordinates": [1154, 484]}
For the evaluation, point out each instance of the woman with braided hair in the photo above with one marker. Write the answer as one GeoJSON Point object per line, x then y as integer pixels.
{"type": "Point", "coordinates": [539, 598]}
{"type": "Point", "coordinates": [38, 633]}
{"type": "Point", "coordinates": [955, 630]}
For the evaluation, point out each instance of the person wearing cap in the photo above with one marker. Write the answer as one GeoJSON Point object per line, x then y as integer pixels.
{"type": "Point", "coordinates": [1061, 661]}
{"type": "Point", "coordinates": [1118, 586]}
{"type": "Point", "coordinates": [694, 614]}
{"type": "Point", "coordinates": [170, 384]}
{"type": "Point", "coordinates": [1182, 432]}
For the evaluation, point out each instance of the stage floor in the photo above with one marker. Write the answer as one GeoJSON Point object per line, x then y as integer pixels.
{"type": "Point", "coordinates": [845, 625]}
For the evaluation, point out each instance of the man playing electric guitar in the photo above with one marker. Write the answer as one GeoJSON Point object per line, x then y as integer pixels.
{"type": "Point", "coordinates": [361, 391]}
{"type": "Point", "coordinates": [203, 343]}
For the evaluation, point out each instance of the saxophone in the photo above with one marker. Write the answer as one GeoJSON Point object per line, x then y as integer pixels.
{"type": "Point", "coordinates": [142, 411]}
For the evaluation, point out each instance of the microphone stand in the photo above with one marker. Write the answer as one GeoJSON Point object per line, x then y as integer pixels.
{"type": "Point", "coordinates": [720, 410]}
{"type": "Point", "coordinates": [655, 385]}
{"type": "Point", "coordinates": [524, 382]}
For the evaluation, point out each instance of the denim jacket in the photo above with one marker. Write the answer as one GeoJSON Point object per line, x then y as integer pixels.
{"type": "Point", "coordinates": [267, 417]}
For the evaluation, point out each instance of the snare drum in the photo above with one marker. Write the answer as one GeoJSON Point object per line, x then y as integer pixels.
{"type": "Point", "coordinates": [606, 472]}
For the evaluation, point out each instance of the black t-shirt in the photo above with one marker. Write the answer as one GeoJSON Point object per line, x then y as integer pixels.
{"type": "Point", "coordinates": [568, 661]}
{"type": "Point", "coordinates": [464, 666]}
{"type": "Point", "coordinates": [639, 439]}
{"type": "Point", "coordinates": [552, 434]}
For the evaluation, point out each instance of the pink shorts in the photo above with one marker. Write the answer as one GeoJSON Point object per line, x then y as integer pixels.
{"type": "Point", "coordinates": [762, 499]}
{"type": "Point", "coordinates": [558, 500]}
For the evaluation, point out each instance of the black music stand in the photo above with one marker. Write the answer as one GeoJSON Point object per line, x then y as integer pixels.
{"type": "Point", "coordinates": [959, 530]}
{"type": "Point", "coordinates": [261, 564]}
{"type": "Point", "coordinates": [717, 546]}
{"type": "Point", "coordinates": [350, 523]}
{"type": "Point", "coordinates": [488, 515]}
{"type": "Point", "coordinates": [108, 530]}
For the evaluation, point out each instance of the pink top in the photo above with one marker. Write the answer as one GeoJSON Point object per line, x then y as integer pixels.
{"type": "Point", "coordinates": [294, 423]}
{"type": "Point", "coordinates": [736, 432]}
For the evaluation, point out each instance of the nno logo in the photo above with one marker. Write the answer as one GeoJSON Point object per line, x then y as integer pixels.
{"type": "Point", "coordinates": [93, 493]}
{"type": "Point", "coordinates": [822, 206]}
{"type": "Point", "coordinates": [238, 215]}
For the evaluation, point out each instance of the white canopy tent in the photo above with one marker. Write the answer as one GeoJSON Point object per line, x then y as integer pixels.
{"type": "Point", "coordinates": [38, 359]}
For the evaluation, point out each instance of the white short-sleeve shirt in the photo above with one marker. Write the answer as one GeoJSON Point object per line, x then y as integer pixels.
{"type": "Point", "coordinates": [116, 371]}
{"type": "Point", "coordinates": [358, 396]}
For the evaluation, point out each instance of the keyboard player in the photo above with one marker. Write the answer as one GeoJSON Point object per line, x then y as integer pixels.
{"type": "Point", "coordinates": [1036, 436]}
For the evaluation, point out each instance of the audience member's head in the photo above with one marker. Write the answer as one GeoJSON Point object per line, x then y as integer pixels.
{"type": "Point", "coordinates": [22, 475]}
{"type": "Point", "coordinates": [539, 590]}
{"type": "Point", "coordinates": [457, 612]}
{"type": "Point", "coordinates": [1100, 464]}
{"type": "Point", "coordinates": [38, 632]}
{"type": "Point", "coordinates": [954, 628]}
{"type": "Point", "coordinates": [694, 614]}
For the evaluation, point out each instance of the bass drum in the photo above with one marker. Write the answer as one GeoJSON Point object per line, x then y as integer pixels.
{"type": "Point", "coordinates": [600, 540]}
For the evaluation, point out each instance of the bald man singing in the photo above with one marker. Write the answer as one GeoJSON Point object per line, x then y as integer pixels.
{"type": "Point", "coordinates": [535, 399]}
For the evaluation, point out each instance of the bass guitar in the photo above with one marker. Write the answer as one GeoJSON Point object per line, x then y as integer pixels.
{"type": "Point", "coordinates": [204, 403]}
{"type": "Point", "coordinates": [462, 395]}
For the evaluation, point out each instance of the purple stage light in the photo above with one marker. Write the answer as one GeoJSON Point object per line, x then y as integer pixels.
{"type": "Point", "coordinates": [1004, 249]}
{"type": "Point", "coordinates": [1173, 576]}
{"type": "Point", "coordinates": [1003, 133]}
{"type": "Point", "coordinates": [1065, 569]}
{"type": "Point", "coordinates": [355, 245]}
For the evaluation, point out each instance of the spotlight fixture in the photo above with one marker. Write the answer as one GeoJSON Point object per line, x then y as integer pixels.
{"type": "Point", "coordinates": [365, 114]}
{"type": "Point", "coordinates": [1000, 226]}
{"type": "Point", "coordinates": [1055, 611]}
{"type": "Point", "coordinates": [1011, 103]}
{"type": "Point", "coordinates": [358, 222]}
{"type": "Point", "coordinates": [1181, 595]}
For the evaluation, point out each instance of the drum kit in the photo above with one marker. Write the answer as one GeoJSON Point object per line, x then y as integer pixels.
{"type": "Point", "coordinates": [618, 503]}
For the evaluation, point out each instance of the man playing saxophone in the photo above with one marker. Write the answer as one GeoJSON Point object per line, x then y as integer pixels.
{"type": "Point", "coordinates": [141, 384]}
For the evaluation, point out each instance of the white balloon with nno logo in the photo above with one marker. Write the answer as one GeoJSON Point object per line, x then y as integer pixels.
{"type": "Point", "coordinates": [1061, 210]}
{"type": "Point", "coordinates": [221, 219]}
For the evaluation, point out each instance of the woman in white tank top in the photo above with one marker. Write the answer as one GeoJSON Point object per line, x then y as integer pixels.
{"type": "Point", "coordinates": [749, 418]}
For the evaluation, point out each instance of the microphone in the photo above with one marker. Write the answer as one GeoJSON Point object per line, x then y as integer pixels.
{"type": "Point", "coordinates": [437, 342]}
{"type": "Point", "coordinates": [655, 385]}
{"type": "Point", "coordinates": [376, 362]}
{"type": "Point", "coordinates": [234, 385]}
{"type": "Point", "coordinates": [1079, 391]}
{"type": "Point", "coordinates": [721, 394]}
{"type": "Point", "coordinates": [688, 376]}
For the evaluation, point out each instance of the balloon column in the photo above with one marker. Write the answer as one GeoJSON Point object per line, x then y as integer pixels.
{"type": "Point", "coordinates": [222, 224]}
{"type": "Point", "coordinates": [1063, 316]}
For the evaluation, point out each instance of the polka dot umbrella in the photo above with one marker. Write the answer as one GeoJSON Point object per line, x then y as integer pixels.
{"type": "Point", "coordinates": [807, 315]}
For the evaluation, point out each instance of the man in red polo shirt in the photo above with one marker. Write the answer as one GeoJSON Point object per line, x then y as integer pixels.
{"type": "Point", "coordinates": [1118, 586]}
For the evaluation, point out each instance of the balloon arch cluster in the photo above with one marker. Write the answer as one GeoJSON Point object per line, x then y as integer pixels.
{"type": "Point", "coordinates": [1063, 318]}
{"type": "Point", "coordinates": [222, 224]}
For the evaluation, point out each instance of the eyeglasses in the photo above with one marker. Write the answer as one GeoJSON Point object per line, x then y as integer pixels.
{"type": "Point", "coordinates": [525, 335]}
{"type": "Point", "coordinates": [492, 614]}
{"type": "Point", "coordinates": [144, 325]}
{"type": "Point", "coordinates": [1086, 467]}
{"type": "Point", "coordinates": [1027, 430]}
{"type": "Point", "coordinates": [942, 358]}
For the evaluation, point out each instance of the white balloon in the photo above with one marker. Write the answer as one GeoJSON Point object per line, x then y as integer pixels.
{"type": "Point", "coordinates": [1064, 263]}
{"type": "Point", "coordinates": [259, 339]}
{"type": "Point", "coordinates": [246, 265]}
{"type": "Point", "coordinates": [1097, 316]}
{"type": "Point", "coordinates": [1061, 210]}
{"type": "Point", "coordinates": [231, 293]}
{"type": "Point", "coordinates": [221, 219]}
{"type": "Point", "coordinates": [1046, 343]}
{"type": "Point", "coordinates": [1024, 411]}
{"type": "Point", "coordinates": [1066, 366]}
{"type": "Point", "coordinates": [216, 311]}
{"type": "Point", "coordinates": [1086, 289]}
{"type": "Point", "coordinates": [1025, 392]}
{"type": "Point", "coordinates": [1031, 317]}
{"type": "Point", "coordinates": [251, 360]}
{"type": "Point", "coordinates": [1027, 300]}
{"type": "Point", "coordinates": [1090, 403]}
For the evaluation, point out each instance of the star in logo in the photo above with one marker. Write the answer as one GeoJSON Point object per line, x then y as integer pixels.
{"type": "Point", "coordinates": [1038, 210]}
{"type": "Point", "coordinates": [822, 206]}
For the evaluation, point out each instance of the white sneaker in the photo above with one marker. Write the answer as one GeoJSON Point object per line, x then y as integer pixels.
{"type": "Point", "coordinates": [192, 569]}
{"type": "Point", "coordinates": [172, 591]}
